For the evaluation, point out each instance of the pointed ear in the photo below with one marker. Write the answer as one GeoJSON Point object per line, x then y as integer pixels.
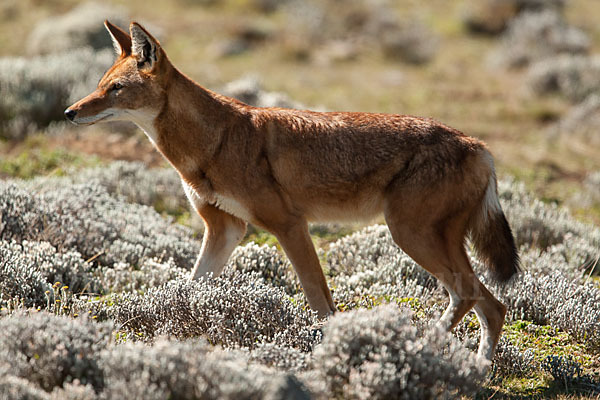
{"type": "Point", "coordinates": [120, 38]}
{"type": "Point", "coordinates": [144, 47]}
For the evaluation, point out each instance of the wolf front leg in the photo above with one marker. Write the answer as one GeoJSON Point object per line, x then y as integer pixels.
{"type": "Point", "coordinates": [299, 248]}
{"type": "Point", "coordinates": [223, 232]}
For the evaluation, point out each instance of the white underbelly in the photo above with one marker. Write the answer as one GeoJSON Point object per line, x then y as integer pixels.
{"type": "Point", "coordinates": [232, 206]}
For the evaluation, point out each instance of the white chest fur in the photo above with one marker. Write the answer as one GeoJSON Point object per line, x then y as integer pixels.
{"type": "Point", "coordinates": [232, 206]}
{"type": "Point", "coordinates": [144, 118]}
{"type": "Point", "coordinates": [225, 203]}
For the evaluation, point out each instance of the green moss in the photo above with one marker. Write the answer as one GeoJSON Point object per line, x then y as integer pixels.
{"type": "Point", "coordinates": [545, 341]}
{"type": "Point", "coordinates": [260, 237]}
{"type": "Point", "coordinates": [33, 162]}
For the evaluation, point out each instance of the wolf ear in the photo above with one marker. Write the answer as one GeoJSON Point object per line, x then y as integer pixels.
{"type": "Point", "coordinates": [120, 38]}
{"type": "Point", "coordinates": [144, 47]}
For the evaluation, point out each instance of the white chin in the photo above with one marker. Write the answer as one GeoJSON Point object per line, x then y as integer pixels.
{"type": "Point", "coordinates": [93, 119]}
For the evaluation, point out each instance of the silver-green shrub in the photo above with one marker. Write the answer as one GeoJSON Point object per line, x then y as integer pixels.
{"type": "Point", "coordinates": [510, 361]}
{"type": "Point", "coordinates": [249, 91]}
{"type": "Point", "coordinates": [281, 357]}
{"type": "Point", "coordinates": [368, 262]}
{"type": "Point", "coordinates": [134, 181]}
{"type": "Point", "coordinates": [15, 388]}
{"type": "Point", "coordinates": [19, 281]}
{"type": "Point", "coordinates": [191, 370]}
{"type": "Point", "coordinates": [268, 263]}
{"type": "Point", "coordinates": [378, 354]}
{"type": "Point", "coordinates": [232, 310]}
{"type": "Point", "coordinates": [552, 299]}
{"type": "Point", "coordinates": [82, 26]}
{"type": "Point", "coordinates": [36, 91]}
{"type": "Point", "coordinates": [50, 351]}
{"type": "Point", "coordinates": [575, 77]}
{"type": "Point", "coordinates": [28, 270]}
{"type": "Point", "coordinates": [537, 224]}
{"type": "Point", "coordinates": [87, 219]}
{"type": "Point", "coordinates": [581, 121]}
{"type": "Point", "coordinates": [533, 36]}
{"type": "Point", "coordinates": [360, 27]}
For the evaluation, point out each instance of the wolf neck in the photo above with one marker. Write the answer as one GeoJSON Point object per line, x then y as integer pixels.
{"type": "Point", "coordinates": [192, 123]}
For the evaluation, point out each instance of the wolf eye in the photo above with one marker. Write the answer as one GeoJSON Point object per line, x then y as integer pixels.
{"type": "Point", "coordinates": [116, 86]}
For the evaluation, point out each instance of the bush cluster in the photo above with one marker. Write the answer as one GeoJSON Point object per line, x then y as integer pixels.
{"type": "Point", "coordinates": [248, 90]}
{"type": "Point", "coordinates": [272, 345]}
{"type": "Point", "coordinates": [575, 77]}
{"type": "Point", "coordinates": [82, 26]}
{"type": "Point", "coordinates": [87, 219]}
{"type": "Point", "coordinates": [357, 27]}
{"type": "Point", "coordinates": [493, 16]}
{"type": "Point", "coordinates": [233, 310]}
{"type": "Point", "coordinates": [378, 354]}
{"type": "Point", "coordinates": [535, 36]}
{"type": "Point", "coordinates": [36, 91]}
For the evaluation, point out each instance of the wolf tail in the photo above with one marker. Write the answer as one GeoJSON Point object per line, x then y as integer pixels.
{"type": "Point", "coordinates": [491, 235]}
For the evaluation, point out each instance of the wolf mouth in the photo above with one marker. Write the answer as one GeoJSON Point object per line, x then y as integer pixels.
{"type": "Point", "coordinates": [86, 121]}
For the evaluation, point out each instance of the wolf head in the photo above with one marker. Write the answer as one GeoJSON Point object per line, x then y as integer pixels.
{"type": "Point", "coordinates": [133, 87]}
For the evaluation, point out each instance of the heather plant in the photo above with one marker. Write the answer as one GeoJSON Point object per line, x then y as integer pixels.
{"type": "Point", "coordinates": [537, 224]}
{"type": "Point", "coordinates": [18, 280]}
{"type": "Point", "coordinates": [191, 370]}
{"type": "Point", "coordinates": [590, 194]}
{"type": "Point", "coordinates": [233, 310]}
{"type": "Point", "coordinates": [268, 263]}
{"type": "Point", "coordinates": [369, 263]}
{"type": "Point", "coordinates": [135, 182]}
{"type": "Point", "coordinates": [362, 26]}
{"type": "Point", "coordinates": [12, 387]}
{"type": "Point", "coordinates": [123, 277]}
{"type": "Point", "coordinates": [32, 273]}
{"type": "Point", "coordinates": [575, 77]}
{"type": "Point", "coordinates": [492, 16]}
{"type": "Point", "coordinates": [281, 357]}
{"type": "Point", "coordinates": [249, 91]}
{"type": "Point", "coordinates": [378, 354]}
{"type": "Point", "coordinates": [49, 350]}
{"type": "Point", "coordinates": [552, 299]}
{"type": "Point", "coordinates": [533, 36]}
{"type": "Point", "coordinates": [36, 91]}
{"type": "Point", "coordinates": [82, 26]}
{"type": "Point", "coordinates": [87, 219]}
{"type": "Point", "coordinates": [580, 122]}
{"type": "Point", "coordinates": [509, 360]}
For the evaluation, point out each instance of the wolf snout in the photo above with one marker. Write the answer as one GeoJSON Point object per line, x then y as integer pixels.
{"type": "Point", "coordinates": [70, 114]}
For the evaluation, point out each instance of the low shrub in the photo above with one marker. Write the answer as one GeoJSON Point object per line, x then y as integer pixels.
{"type": "Point", "coordinates": [82, 26]}
{"type": "Point", "coordinates": [87, 219]}
{"type": "Point", "coordinates": [36, 91]}
{"type": "Point", "coordinates": [492, 16]}
{"type": "Point", "coordinates": [575, 77]}
{"type": "Point", "coordinates": [191, 370]}
{"type": "Point", "coordinates": [232, 310]}
{"type": "Point", "coordinates": [378, 354]}
{"type": "Point", "coordinates": [50, 351]}
{"type": "Point", "coordinates": [533, 36]}
{"type": "Point", "coordinates": [580, 123]}
{"type": "Point", "coordinates": [248, 90]}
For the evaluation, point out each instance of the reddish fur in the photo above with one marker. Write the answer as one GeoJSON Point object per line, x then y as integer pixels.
{"type": "Point", "coordinates": [287, 167]}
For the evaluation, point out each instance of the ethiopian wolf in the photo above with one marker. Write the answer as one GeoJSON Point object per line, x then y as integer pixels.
{"type": "Point", "coordinates": [280, 169]}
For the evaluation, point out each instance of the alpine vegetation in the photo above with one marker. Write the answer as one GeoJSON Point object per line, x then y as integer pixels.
{"type": "Point", "coordinates": [575, 77]}
{"type": "Point", "coordinates": [378, 354]}
{"type": "Point", "coordinates": [101, 328]}
{"type": "Point", "coordinates": [36, 90]}
{"type": "Point", "coordinates": [534, 36]}
{"type": "Point", "coordinates": [87, 219]}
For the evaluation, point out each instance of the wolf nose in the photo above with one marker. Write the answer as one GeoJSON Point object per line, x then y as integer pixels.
{"type": "Point", "coordinates": [70, 114]}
